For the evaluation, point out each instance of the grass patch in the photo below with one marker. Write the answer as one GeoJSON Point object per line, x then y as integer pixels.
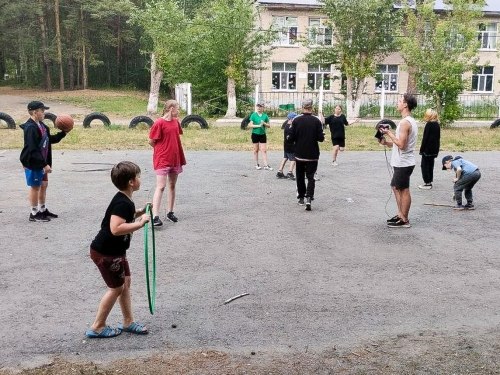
{"type": "Point", "coordinates": [359, 138]}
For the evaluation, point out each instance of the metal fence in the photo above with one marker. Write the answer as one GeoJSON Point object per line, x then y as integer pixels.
{"type": "Point", "coordinates": [278, 104]}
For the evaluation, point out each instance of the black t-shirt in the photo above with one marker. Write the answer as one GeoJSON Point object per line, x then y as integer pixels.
{"type": "Point", "coordinates": [336, 124]}
{"type": "Point", "coordinates": [105, 242]}
{"type": "Point", "coordinates": [288, 146]}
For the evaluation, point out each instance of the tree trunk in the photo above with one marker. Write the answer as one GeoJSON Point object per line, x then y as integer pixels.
{"type": "Point", "coordinates": [118, 49]}
{"type": "Point", "coordinates": [154, 91]}
{"type": "Point", "coordinates": [59, 47]}
{"type": "Point", "coordinates": [45, 55]}
{"type": "Point", "coordinates": [84, 55]}
{"type": "Point", "coordinates": [354, 93]}
{"type": "Point", "coordinates": [71, 72]}
{"type": "Point", "coordinates": [231, 98]}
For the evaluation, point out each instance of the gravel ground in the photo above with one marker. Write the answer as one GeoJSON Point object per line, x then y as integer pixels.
{"type": "Point", "coordinates": [330, 291]}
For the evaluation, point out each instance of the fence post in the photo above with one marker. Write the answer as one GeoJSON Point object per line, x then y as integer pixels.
{"type": "Point", "coordinates": [256, 97]}
{"type": "Point", "coordinates": [498, 100]}
{"type": "Point", "coordinates": [382, 101]}
{"type": "Point", "coordinates": [189, 98]}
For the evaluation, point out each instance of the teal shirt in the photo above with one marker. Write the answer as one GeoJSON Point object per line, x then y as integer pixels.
{"type": "Point", "coordinates": [257, 120]}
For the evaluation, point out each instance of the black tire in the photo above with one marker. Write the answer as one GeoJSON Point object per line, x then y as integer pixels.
{"type": "Point", "coordinates": [50, 116]}
{"type": "Point", "coordinates": [386, 121]}
{"type": "Point", "coordinates": [245, 122]}
{"type": "Point", "coordinates": [284, 124]}
{"type": "Point", "coordinates": [96, 116]}
{"type": "Point", "coordinates": [495, 124]}
{"type": "Point", "coordinates": [194, 118]}
{"type": "Point", "coordinates": [11, 124]}
{"type": "Point", "coordinates": [138, 119]}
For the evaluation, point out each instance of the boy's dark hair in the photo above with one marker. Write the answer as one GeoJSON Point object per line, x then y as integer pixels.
{"type": "Point", "coordinates": [123, 172]}
{"type": "Point", "coordinates": [410, 100]}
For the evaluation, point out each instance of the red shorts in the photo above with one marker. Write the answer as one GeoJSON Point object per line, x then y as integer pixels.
{"type": "Point", "coordinates": [113, 269]}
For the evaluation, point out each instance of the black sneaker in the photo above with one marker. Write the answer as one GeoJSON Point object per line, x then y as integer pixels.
{"type": "Point", "coordinates": [172, 217]}
{"type": "Point", "coordinates": [399, 224]}
{"type": "Point", "coordinates": [300, 202]}
{"type": "Point", "coordinates": [458, 207]}
{"type": "Point", "coordinates": [393, 219]}
{"type": "Point", "coordinates": [308, 204]}
{"type": "Point", "coordinates": [49, 214]}
{"type": "Point", "coordinates": [39, 217]}
{"type": "Point", "coordinates": [157, 222]}
{"type": "Point", "coordinates": [469, 206]}
{"type": "Point", "coordinates": [290, 176]}
{"type": "Point", "coordinates": [280, 174]}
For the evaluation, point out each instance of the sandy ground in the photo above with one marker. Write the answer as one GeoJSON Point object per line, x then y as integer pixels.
{"type": "Point", "coordinates": [330, 291]}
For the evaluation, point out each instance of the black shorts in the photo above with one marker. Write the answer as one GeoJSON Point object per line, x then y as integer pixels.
{"type": "Point", "coordinates": [259, 138]}
{"type": "Point", "coordinates": [401, 177]}
{"type": "Point", "coordinates": [338, 142]}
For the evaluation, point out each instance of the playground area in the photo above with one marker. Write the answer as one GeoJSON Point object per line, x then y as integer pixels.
{"type": "Point", "coordinates": [331, 291]}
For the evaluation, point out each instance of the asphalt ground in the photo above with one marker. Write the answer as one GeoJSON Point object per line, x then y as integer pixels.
{"type": "Point", "coordinates": [332, 277]}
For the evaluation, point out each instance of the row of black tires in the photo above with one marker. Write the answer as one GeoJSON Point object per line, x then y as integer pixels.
{"type": "Point", "coordinates": [11, 124]}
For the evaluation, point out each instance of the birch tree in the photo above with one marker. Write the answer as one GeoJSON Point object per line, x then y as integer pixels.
{"type": "Point", "coordinates": [363, 33]}
{"type": "Point", "coordinates": [439, 48]}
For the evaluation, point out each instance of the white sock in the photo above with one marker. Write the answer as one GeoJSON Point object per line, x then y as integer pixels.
{"type": "Point", "coordinates": [41, 207]}
{"type": "Point", "coordinates": [34, 210]}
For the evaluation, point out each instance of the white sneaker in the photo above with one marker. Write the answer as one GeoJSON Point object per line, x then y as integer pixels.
{"type": "Point", "coordinates": [425, 186]}
{"type": "Point", "coordinates": [267, 168]}
{"type": "Point", "coordinates": [258, 167]}
{"type": "Point", "coordinates": [316, 177]}
{"type": "Point", "coordinates": [335, 164]}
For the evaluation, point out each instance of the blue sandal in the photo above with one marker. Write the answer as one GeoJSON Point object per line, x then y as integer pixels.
{"type": "Point", "coordinates": [105, 333]}
{"type": "Point", "coordinates": [136, 328]}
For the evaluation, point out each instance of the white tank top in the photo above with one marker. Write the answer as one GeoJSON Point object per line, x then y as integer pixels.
{"type": "Point", "coordinates": [405, 157]}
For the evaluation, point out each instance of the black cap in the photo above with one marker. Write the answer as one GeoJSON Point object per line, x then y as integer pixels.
{"type": "Point", "coordinates": [445, 159]}
{"type": "Point", "coordinates": [36, 105]}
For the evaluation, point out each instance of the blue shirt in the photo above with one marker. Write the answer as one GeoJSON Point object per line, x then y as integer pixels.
{"type": "Point", "coordinates": [467, 167]}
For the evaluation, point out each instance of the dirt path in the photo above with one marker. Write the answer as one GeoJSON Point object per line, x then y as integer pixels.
{"type": "Point", "coordinates": [332, 291]}
{"type": "Point", "coordinates": [14, 102]}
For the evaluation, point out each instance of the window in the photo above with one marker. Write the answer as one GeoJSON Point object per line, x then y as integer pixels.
{"type": "Point", "coordinates": [317, 74]}
{"type": "Point", "coordinates": [388, 76]}
{"type": "Point", "coordinates": [319, 31]}
{"type": "Point", "coordinates": [287, 30]}
{"type": "Point", "coordinates": [284, 76]}
{"type": "Point", "coordinates": [482, 80]}
{"type": "Point", "coordinates": [487, 35]}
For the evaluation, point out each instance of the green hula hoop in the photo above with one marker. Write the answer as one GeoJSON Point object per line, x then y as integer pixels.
{"type": "Point", "coordinates": [151, 290]}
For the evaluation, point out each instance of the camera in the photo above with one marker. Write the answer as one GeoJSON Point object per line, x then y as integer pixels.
{"type": "Point", "coordinates": [383, 124]}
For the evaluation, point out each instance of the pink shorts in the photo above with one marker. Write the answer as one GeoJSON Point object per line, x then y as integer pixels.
{"type": "Point", "coordinates": [168, 170]}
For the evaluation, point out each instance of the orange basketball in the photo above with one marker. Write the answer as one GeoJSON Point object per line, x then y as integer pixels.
{"type": "Point", "coordinates": [64, 122]}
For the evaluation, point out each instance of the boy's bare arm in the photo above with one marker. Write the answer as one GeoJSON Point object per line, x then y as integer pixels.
{"type": "Point", "coordinates": [119, 226]}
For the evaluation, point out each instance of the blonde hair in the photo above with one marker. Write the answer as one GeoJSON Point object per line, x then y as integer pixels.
{"type": "Point", "coordinates": [431, 115]}
{"type": "Point", "coordinates": [168, 105]}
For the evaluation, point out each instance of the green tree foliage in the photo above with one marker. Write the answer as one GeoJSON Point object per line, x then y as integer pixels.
{"type": "Point", "coordinates": [438, 48]}
{"type": "Point", "coordinates": [363, 33]}
{"type": "Point", "coordinates": [92, 30]}
{"type": "Point", "coordinates": [227, 48]}
{"type": "Point", "coordinates": [214, 50]}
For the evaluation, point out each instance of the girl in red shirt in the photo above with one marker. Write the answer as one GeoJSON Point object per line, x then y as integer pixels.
{"type": "Point", "coordinates": [168, 158]}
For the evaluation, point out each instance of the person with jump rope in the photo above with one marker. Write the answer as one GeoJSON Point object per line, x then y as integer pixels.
{"type": "Point", "coordinates": [403, 145]}
{"type": "Point", "coordinates": [108, 250]}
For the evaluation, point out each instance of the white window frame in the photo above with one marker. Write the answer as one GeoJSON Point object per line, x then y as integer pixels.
{"type": "Point", "coordinates": [287, 28]}
{"type": "Point", "coordinates": [284, 76]}
{"type": "Point", "coordinates": [488, 37]}
{"type": "Point", "coordinates": [390, 78]}
{"type": "Point", "coordinates": [483, 79]}
{"type": "Point", "coordinates": [320, 32]}
{"type": "Point", "coordinates": [318, 73]}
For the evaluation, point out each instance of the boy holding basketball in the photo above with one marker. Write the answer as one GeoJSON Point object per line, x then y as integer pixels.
{"type": "Point", "coordinates": [36, 158]}
{"type": "Point", "coordinates": [109, 252]}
